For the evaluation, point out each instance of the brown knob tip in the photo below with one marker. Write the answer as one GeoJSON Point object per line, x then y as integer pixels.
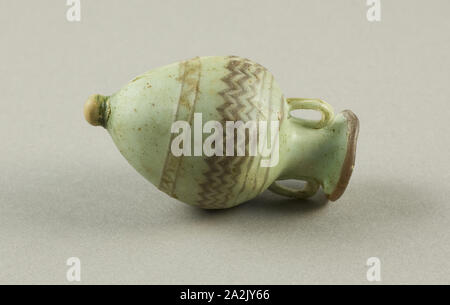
{"type": "Point", "coordinates": [94, 109]}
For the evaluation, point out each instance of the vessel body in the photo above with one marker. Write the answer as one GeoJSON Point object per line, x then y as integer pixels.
{"type": "Point", "coordinates": [142, 120]}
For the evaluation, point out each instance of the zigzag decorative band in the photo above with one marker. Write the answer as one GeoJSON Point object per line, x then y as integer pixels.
{"type": "Point", "coordinates": [245, 84]}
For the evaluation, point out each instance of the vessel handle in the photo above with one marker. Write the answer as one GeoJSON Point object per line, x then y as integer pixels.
{"type": "Point", "coordinates": [308, 190]}
{"type": "Point", "coordinates": [312, 104]}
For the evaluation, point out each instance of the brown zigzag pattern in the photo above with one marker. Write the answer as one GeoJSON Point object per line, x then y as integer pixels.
{"type": "Point", "coordinates": [238, 105]}
{"type": "Point", "coordinates": [251, 160]}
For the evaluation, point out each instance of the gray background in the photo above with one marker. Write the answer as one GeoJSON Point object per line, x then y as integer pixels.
{"type": "Point", "coordinates": [65, 190]}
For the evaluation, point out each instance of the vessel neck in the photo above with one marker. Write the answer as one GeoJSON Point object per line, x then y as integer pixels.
{"type": "Point", "coordinates": [325, 155]}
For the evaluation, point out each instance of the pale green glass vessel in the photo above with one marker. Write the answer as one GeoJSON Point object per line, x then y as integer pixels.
{"type": "Point", "coordinates": [139, 118]}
